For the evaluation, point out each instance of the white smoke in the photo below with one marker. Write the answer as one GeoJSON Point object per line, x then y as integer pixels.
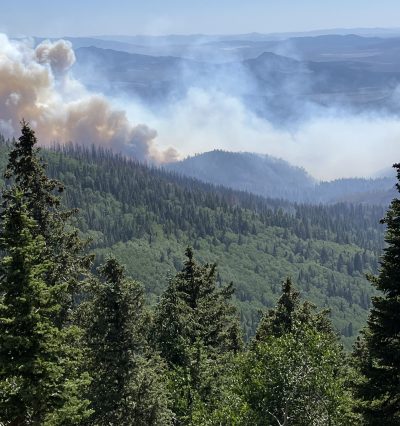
{"type": "Point", "coordinates": [59, 55]}
{"type": "Point", "coordinates": [35, 85]}
{"type": "Point", "coordinates": [333, 144]}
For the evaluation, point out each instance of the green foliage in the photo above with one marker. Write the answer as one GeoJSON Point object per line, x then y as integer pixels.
{"type": "Point", "coordinates": [127, 386]}
{"type": "Point", "coordinates": [147, 217]}
{"type": "Point", "coordinates": [41, 379]}
{"type": "Point", "coordinates": [294, 371]}
{"type": "Point", "coordinates": [196, 332]}
{"type": "Point", "coordinates": [378, 352]}
{"type": "Point", "coordinates": [298, 379]}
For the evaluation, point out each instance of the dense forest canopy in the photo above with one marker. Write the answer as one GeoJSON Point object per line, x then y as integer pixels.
{"type": "Point", "coordinates": [80, 346]}
{"type": "Point", "coordinates": [146, 217]}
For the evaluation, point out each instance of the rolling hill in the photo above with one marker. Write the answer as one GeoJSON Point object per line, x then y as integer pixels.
{"type": "Point", "coordinates": [271, 177]}
{"type": "Point", "coordinates": [146, 217]}
{"type": "Point", "coordinates": [270, 84]}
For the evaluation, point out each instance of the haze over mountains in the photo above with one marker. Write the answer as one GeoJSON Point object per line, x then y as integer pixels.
{"type": "Point", "coordinates": [274, 178]}
{"type": "Point", "coordinates": [284, 79]}
{"type": "Point", "coordinates": [347, 71]}
{"type": "Point", "coordinates": [326, 101]}
{"type": "Point", "coordinates": [302, 89]}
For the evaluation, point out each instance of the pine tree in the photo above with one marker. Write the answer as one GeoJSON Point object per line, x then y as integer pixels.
{"type": "Point", "coordinates": [127, 387]}
{"type": "Point", "coordinates": [288, 311]}
{"type": "Point", "coordinates": [40, 381]}
{"type": "Point", "coordinates": [378, 352]}
{"type": "Point", "coordinates": [43, 266]}
{"type": "Point", "coordinates": [197, 333]}
{"type": "Point", "coordinates": [26, 171]}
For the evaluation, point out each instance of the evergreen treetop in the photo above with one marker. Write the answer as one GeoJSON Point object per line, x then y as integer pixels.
{"type": "Point", "coordinates": [42, 380]}
{"type": "Point", "coordinates": [28, 172]}
{"type": "Point", "coordinates": [288, 312]}
{"type": "Point", "coordinates": [41, 194]}
{"type": "Point", "coordinates": [379, 351]}
{"type": "Point", "coordinates": [127, 386]}
{"type": "Point", "coordinates": [194, 308]}
{"type": "Point", "coordinates": [196, 331]}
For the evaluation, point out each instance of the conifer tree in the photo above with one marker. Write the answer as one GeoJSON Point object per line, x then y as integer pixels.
{"type": "Point", "coordinates": [196, 332]}
{"type": "Point", "coordinates": [42, 266]}
{"type": "Point", "coordinates": [40, 381]}
{"type": "Point", "coordinates": [127, 387]}
{"type": "Point", "coordinates": [378, 352]}
{"type": "Point", "coordinates": [290, 310]}
{"type": "Point", "coordinates": [41, 194]}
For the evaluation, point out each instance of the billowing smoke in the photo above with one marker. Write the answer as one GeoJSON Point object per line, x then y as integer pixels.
{"type": "Point", "coordinates": [331, 144]}
{"type": "Point", "coordinates": [330, 140]}
{"type": "Point", "coordinates": [59, 55]}
{"type": "Point", "coordinates": [35, 85]}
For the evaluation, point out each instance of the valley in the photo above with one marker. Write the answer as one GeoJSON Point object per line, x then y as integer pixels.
{"type": "Point", "coordinates": [147, 217]}
{"type": "Point", "coordinates": [199, 217]}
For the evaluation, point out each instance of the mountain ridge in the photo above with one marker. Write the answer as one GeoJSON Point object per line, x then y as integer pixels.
{"type": "Point", "coordinates": [276, 178]}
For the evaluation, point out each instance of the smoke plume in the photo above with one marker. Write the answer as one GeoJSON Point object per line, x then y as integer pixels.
{"type": "Point", "coordinates": [212, 112]}
{"type": "Point", "coordinates": [330, 144]}
{"type": "Point", "coordinates": [35, 84]}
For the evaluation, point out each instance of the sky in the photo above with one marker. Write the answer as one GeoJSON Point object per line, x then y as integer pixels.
{"type": "Point", "coordinates": [58, 18]}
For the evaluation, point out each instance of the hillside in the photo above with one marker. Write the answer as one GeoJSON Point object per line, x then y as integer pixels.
{"type": "Point", "coordinates": [146, 217]}
{"type": "Point", "coordinates": [271, 177]}
{"type": "Point", "coordinates": [273, 85]}
{"type": "Point", "coordinates": [149, 77]}
{"type": "Point", "coordinates": [369, 46]}
{"type": "Point", "coordinates": [262, 175]}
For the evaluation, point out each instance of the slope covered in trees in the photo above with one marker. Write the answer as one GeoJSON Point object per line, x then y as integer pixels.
{"type": "Point", "coordinates": [81, 347]}
{"type": "Point", "coordinates": [146, 218]}
{"type": "Point", "coordinates": [271, 177]}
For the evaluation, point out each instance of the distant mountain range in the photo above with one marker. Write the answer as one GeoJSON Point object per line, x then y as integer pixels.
{"type": "Point", "coordinates": [352, 72]}
{"type": "Point", "coordinates": [285, 78]}
{"type": "Point", "coordinates": [372, 47]}
{"type": "Point", "coordinates": [203, 38]}
{"type": "Point", "coordinates": [274, 178]}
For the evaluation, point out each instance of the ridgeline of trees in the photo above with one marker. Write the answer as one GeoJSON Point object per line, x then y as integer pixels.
{"type": "Point", "coordinates": [275, 178]}
{"type": "Point", "coordinates": [80, 346]}
{"type": "Point", "coordinates": [147, 217]}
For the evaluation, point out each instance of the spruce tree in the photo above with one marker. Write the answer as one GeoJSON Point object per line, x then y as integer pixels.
{"type": "Point", "coordinates": [197, 333]}
{"type": "Point", "coordinates": [40, 381]}
{"type": "Point", "coordinates": [51, 383]}
{"type": "Point", "coordinates": [378, 352]}
{"type": "Point", "coordinates": [41, 194]}
{"type": "Point", "coordinates": [288, 312]}
{"type": "Point", "coordinates": [127, 387]}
